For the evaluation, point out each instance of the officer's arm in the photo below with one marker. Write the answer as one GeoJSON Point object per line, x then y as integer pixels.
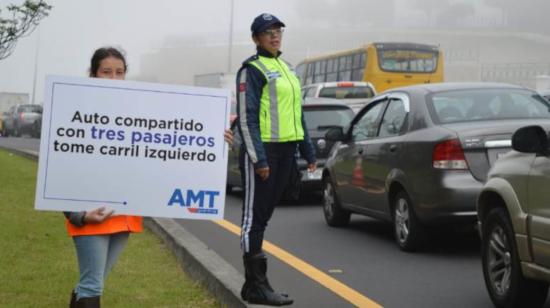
{"type": "Point", "coordinates": [305, 147]}
{"type": "Point", "coordinates": [250, 82]}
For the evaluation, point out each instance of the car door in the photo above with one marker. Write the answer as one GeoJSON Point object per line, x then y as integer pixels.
{"type": "Point", "coordinates": [539, 209]}
{"type": "Point", "coordinates": [364, 128]}
{"type": "Point", "coordinates": [382, 154]}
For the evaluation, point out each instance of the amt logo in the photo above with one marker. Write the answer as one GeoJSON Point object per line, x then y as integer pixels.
{"type": "Point", "coordinates": [189, 197]}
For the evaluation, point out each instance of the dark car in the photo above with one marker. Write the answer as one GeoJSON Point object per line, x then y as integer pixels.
{"type": "Point", "coordinates": [320, 115]}
{"type": "Point", "coordinates": [418, 156]}
{"type": "Point", "coordinates": [23, 119]}
{"type": "Point", "coordinates": [514, 218]}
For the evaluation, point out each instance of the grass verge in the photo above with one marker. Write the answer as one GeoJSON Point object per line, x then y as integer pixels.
{"type": "Point", "coordinates": [38, 266]}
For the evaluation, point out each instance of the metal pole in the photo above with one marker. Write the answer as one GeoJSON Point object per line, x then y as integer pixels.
{"type": "Point", "coordinates": [230, 51]}
{"type": "Point", "coordinates": [35, 66]}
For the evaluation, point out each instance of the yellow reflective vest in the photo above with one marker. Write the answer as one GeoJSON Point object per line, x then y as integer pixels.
{"type": "Point", "coordinates": [280, 103]}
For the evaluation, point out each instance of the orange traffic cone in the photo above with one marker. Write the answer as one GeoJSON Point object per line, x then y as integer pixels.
{"type": "Point", "coordinates": [357, 178]}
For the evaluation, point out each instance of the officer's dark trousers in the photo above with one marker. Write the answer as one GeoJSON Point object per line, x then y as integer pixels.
{"type": "Point", "coordinates": [261, 196]}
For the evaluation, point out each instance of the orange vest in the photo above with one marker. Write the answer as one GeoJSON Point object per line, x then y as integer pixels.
{"type": "Point", "coordinates": [112, 225]}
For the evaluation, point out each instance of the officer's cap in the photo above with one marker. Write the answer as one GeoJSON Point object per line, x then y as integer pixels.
{"type": "Point", "coordinates": [263, 22]}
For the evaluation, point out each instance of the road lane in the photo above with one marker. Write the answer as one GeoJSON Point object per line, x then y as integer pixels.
{"type": "Point", "coordinates": [305, 268]}
{"type": "Point", "coordinates": [362, 256]}
{"type": "Point", "coordinates": [21, 143]}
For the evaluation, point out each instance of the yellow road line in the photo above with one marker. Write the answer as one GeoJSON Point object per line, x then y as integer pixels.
{"type": "Point", "coordinates": [325, 280]}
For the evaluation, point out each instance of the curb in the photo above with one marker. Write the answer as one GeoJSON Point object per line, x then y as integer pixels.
{"type": "Point", "coordinates": [28, 154]}
{"type": "Point", "coordinates": [197, 260]}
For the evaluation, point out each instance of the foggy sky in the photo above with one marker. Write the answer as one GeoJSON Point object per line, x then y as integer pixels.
{"type": "Point", "coordinates": [67, 38]}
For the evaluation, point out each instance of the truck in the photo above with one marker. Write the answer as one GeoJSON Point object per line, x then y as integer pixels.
{"type": "Point", "coordinates": [7, 100]}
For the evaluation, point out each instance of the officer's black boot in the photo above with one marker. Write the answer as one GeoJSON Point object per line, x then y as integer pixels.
{"type": "Point", "coordinates": [264, 271]}
{"type": "Point", "coordinates": [256, 289]}
{"type": "Point", "coordinates": [247, 280]}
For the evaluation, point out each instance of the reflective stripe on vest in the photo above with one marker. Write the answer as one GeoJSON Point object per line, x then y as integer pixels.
{"type": "Point", "coordinates": [115, 224]}
{"type": "Point", "coordinates": [280, 103]}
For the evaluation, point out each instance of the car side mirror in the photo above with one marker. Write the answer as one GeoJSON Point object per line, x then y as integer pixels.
{"type": "Point", "coordinates": [531, 139]}
{"type": "Point", "coordinates": [335, 134]}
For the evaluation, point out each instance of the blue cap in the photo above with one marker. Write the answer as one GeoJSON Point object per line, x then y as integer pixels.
{"type": "Point", "coordinates": [263, 22]}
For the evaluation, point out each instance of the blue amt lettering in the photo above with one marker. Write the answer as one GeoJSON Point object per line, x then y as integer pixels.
{"type": "Point", "coordinates": [191, 197]}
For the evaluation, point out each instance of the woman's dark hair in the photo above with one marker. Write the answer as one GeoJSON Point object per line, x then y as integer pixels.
{"type": "Point", "coordinates": [102, 53]}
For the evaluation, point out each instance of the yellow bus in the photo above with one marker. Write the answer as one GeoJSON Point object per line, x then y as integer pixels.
{"type": "Point", "coordinates": [384, 65]}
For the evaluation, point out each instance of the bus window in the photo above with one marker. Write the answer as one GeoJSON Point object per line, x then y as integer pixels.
{"type": "Point", "coordinates": [357, 60]}
{"type": "Point", "coordinates": [344, 75]}
{"type": "Point", "coordinates": [342, 63]}
{"type": "Point", "coordinates": [330, 65]}
{"type": "Point", "coordinates": [357, 74]}
{"type": "Point", "coordinates": [319, 71]}
{"type": "Point", "coordinates": [403, 60]}
{"type": "Point", "coordinates": [310, 69]}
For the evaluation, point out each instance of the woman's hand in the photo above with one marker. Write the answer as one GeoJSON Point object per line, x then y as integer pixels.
{"type": "Point", "coordinates": [228, 136]}
{"type": "Point", "coordinates": [263, 173]}
{"type": "Point", "coordinates": [97, 216]}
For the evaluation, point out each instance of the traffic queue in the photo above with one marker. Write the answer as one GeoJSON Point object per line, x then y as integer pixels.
{"type": "Point", "coordinates": [423, 156]}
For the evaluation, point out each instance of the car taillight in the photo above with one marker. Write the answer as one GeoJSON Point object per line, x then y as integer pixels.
{"type": "Point", "coordinates": [345, 84]}
{"type": "Point", "coordinates": [449, 155]}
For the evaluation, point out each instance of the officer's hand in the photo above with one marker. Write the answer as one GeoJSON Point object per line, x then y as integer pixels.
{"type": "Point", "coordinates": [97, 216]}
{"type": "Point", "coordinates": [228, 136]}
{"type": "Point", "coordinates": [312, 167]}
{"type": "Point", "coordinates": [263, 173]}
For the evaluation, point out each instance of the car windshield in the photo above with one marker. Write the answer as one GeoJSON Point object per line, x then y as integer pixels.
{"type": "Point", "coordinates": [317, 117]}
{"type": "Point", "coordinates": [30, 108]}
{"type": "Point", "coordinates": [346, 92]}
{"type": "Point", "coordinates": [487, 104]}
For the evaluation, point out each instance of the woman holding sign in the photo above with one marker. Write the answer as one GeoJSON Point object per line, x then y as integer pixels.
{"type": "Point", "coordinates": [272, 126]}
{"type": "Point", "coordinates": [98, 235]}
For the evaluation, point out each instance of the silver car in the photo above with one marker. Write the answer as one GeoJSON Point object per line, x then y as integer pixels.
{"type": "Point", "coordinates": [514, 215]}
{"type": "Point", "coordinates": [418, 156]}
{"type": "Point", "coordinates": [23, 119]}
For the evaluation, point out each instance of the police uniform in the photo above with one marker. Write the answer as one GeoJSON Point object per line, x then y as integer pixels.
{"type": "Point", "coordinates": [272, 127]}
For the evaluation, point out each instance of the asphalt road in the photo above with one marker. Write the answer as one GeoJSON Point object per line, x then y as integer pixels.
{"type": "Point", "coordinates": [362, 256]}
{"type": "Point", "coordinates": [23, 143]}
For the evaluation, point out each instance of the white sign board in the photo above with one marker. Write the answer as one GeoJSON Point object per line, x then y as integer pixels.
{"type": "Point", "coordinates": [137, 148]}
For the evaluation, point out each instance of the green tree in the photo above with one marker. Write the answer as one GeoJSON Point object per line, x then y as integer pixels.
{"type": "Point", "coordinates": [19, 21]}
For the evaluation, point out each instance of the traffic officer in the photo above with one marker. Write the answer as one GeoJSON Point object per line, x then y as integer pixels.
{"type": "Point", "coordinates": [272, 127]}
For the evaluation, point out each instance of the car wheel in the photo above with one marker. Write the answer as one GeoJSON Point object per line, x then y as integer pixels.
{"type": "Point", "coordinates": [409, 233]}
{"type": "Point", "coordinates": [501, 266]}
{"type": "Point", "coordinates": [335, 215]}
